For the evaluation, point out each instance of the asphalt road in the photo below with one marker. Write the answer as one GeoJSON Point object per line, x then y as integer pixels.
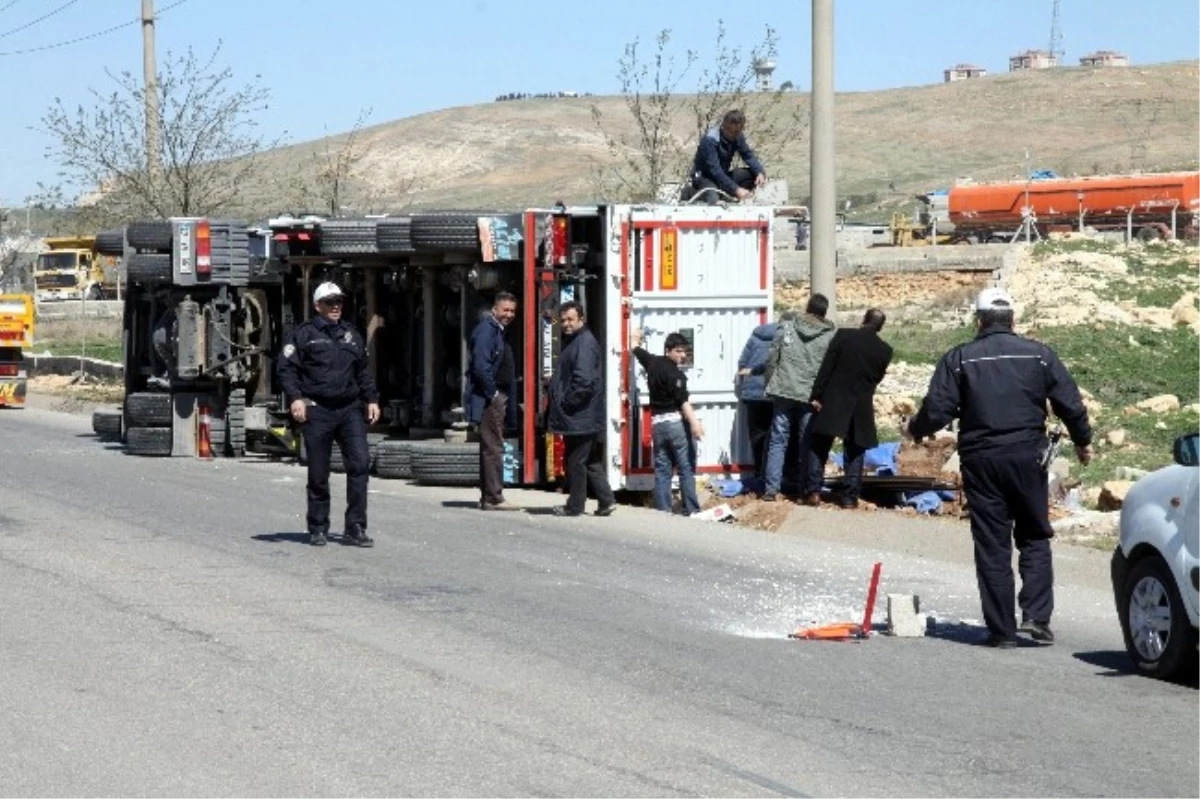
{"type": "Point", "coordinates": [167, 633]}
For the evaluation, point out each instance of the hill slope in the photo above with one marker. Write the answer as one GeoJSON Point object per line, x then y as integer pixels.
{"type": "Point", "coordinates": [530, 152]}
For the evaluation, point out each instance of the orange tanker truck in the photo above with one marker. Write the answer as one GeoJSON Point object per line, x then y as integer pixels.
{"type": "Point", "coordinates": [1152, 206]}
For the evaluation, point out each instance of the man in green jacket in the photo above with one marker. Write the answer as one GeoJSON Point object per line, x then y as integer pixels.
{"type": "Point", "coordinates": [792, 366]}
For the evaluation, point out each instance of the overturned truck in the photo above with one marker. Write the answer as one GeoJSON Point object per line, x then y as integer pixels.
{"type": "Point", "coordinates": [210, 303]}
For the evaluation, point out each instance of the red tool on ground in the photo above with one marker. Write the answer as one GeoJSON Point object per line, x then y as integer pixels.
{"type": "Point", "coordinates": [845, 630]}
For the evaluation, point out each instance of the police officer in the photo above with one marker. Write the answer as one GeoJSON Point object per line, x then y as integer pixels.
{"type": "Point", "coordinates": [326, 382]}
{"type": "Point", "coordinates": [997, 386]}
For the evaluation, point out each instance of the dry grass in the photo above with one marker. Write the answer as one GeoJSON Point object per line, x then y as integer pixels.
{"type": "Point", "coordinates": [530, 152]}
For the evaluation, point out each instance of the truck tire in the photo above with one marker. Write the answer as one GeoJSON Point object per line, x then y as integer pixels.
{"type": "Point", "coordinates": [394, 459]}
{"type": "Point", "coordinates": [348, 236]}
{"type": "Point", "coordinates": [148, 410]}
{"type": "Point", "coordinates": [153, 441]}
{"type": "Point", "coordinates": [235, 423]}
{"type": "Point", "coordinates": [110, 242]}
{"type": "Point", "coordinates": [445, 464]}
{"type": "Point", "coordinates": [106, 423]}
{"type": "Point", "coordinates": [447, 230]}
{"type": "Point", "coordinates": [394, 235]}
{"type": "Point", "coordinates": [148, 269]}
{"type": "Point", "coordinates": [154, 236]}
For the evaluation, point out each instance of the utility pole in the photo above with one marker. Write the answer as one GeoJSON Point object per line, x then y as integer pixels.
{"type": "Point", "coordinates": [150, 69]}
{"type": "Point", "coordinates": [823, 243]}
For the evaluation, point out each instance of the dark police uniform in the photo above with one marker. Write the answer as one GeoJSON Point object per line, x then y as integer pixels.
{"type": "Point", "coordinates": [997, 386]}
{"type": "Point", "coordinates": [326, 365]}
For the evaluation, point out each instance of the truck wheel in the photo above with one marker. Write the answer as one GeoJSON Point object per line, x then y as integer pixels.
{"type": "Point", "coordinates": [235, 423]}
{"type": "Point", "coordinates": [1148, 234]}
{"type": "Point", "coordinates": [348, 236]}
{"type": "Point", "coordinates": [110, 242]}
{"type": "Point", "coordinates": [1158, 636]}
{"type": "Point", "coordinates": [154, 236]}
{"type": "Point", "coordinates": [106, 423]}
{"type": "Point", "coordinates": [394, 459]}
{"type": "Point", "coordinates": [445, 464]}
{"type": "Point", "coordinates": [148, 410]}
{"type": "Point", "coordinates": [394, 235]}
{"type": "Point", "coordinates": [447, 230]}
{"type": "Point", "coordinates": [148, 269]}
{"type": "Point", "coordinates": [148, 441]}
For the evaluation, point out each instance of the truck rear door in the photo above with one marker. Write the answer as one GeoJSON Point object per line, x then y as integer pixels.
{"type": "Point", "coordinates": [705, 272]}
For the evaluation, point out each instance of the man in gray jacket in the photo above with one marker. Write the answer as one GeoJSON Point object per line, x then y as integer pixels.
{"type": "Point", "coordinates": [792, 366]}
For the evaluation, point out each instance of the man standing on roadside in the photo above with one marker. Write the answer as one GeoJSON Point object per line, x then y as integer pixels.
{"type": "Point", "coordinates": [577, 413]}
{"type": "Point", "coordinates": [792, 366]}
{"type": "Point", "coordinates": [843, 396]}
{"type": "Point", "coordinates": [672, 420]}
{"type": "Point", "coordinates": [327, 384]}
{"type": "Point", "coordinates": [997, 385]}
{"type": "Point", "coordinates": [751, 390]}
{"type": "Point", "coordinates": [490, 379]}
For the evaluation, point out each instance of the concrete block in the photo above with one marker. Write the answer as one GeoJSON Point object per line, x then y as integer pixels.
{"type": "Point", "coordinates": [905, 619]}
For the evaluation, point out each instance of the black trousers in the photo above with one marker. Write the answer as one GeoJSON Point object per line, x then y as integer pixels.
{"type": "Point", "coordinates": [348, 427]}
{"type": "Point", "coordinates": [743, 177]}
{"type": "Point", "coordinates": [584, 462]}
{"type": "Point", "coordinates": [852, 464]}
{"type": "Point", "coordinates": [491, 450]}
{"type": "Point", "coordinates": [1008, 499]}
{"type": "Point", "coordinates": [758, 421]}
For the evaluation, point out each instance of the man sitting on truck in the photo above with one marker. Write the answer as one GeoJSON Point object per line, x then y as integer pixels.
{"type": "Point", "coordinates": [712, 167]}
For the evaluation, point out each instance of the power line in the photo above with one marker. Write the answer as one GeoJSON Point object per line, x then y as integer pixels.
{"type": "Point", "coordinates": [64, 7]}
{"type": "Point", "coordinates": [8, 5]}
{"type": "Point", "coordinates": [78, 39]}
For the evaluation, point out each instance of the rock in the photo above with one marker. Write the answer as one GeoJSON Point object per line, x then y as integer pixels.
{"type": "Point", "coordinates": [1131, 410]}
{"type": "Point", "coordinates": [1193, 408]}
{"type": "Point", "coordinates": [952, 465]}
{"type": "Point", "coordinates": [1091, 524]}
{"type": "Point", "coordinates": [1163, 403]}
{"type": "Point", "coordinates": [1160, 425]}
{"type": "Point", "coordinates": [1116, 437]}
{"type": "Point", "coordinates": [1129, 473]}
{"type": "Point", "coordinates": [1091, 496]}
{"type": "Point", "coordinates": [1184, 312]}
{"type": "Point", "coordinates": [893, 405]}
{"type": "Point", "coordinates": [1060, 467]}
{"type": "Point", "coordinates": [904, 616]}
{"type": "Point", "coordinates": [1112, 494]}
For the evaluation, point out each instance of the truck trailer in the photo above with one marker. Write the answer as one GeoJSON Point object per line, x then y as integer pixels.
{"type": "Point", "coordinates": [210, 303]}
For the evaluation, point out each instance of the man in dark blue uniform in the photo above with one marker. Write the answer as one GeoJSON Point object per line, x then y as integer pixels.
{"type": "Point", "coordinates": [329, 390]}
{"type": "Point", "coordinates": [712, 166]}
{"type": "Point", "coordinates": [997, 386]}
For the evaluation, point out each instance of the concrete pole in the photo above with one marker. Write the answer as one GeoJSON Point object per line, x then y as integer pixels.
{"type": "Point", "coordinates": [150, 74]}
{"type": "Point", "coordinates": [823, 240]}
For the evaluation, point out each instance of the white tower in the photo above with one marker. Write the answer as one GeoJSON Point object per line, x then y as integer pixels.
{"type": "Point", "coordinates": [763, 69]}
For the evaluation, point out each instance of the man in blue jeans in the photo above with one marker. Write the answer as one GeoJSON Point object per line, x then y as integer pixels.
{"type": "Point", "coordinates": [674, 421]}
{"type": "Point", "coordinates": [792, 366]}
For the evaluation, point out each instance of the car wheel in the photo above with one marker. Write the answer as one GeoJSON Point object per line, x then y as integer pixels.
{"type": "Point", "coordinates": [1158, 636]}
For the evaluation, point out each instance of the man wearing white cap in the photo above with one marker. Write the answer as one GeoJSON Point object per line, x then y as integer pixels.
{"type": "Point", "coordinates": [327, 384]}
{"type": "Point", "coordinates": [997, 385]}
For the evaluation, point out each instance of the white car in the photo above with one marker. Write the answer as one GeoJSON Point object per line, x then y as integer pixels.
{"type": "Point", "coordinates": [1155, 570]}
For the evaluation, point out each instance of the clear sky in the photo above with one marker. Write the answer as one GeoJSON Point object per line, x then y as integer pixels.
{"type": "Point", "coordinates": [325, 60]}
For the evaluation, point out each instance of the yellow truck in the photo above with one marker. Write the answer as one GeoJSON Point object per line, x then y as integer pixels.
{"type": "Point", "coordinates": [71, 268]}
{"type": "Point", "coordinates": [16, 336]}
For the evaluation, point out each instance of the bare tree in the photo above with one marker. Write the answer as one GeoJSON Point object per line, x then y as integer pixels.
{"type": "Point", "coordinates": [669, 124]}
{"type": "Point", "coordinates": [210, 142]}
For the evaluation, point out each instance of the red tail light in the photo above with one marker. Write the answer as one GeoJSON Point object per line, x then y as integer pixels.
{"type": "Point", "coordinates": [203, 248]}
{"type": "Point", "coordinates": [560, 244]}
{"type": "Point", "coordinates": [8, 370]}
{"type": "Point", "coordinates": [559, 457]}
{"type": "Point", "coordinates": [11, 335]}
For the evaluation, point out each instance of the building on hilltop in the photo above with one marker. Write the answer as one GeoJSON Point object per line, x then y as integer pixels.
{"type": "Point", "coordinates": [1104, 58]}
{"type": "Point", "coordinates": [964, 72]}
{"type": "Point", "coordinates": [1032, 59]}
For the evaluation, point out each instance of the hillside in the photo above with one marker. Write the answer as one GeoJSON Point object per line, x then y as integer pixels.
{"type": "Point", "coordinates": [518, 153]}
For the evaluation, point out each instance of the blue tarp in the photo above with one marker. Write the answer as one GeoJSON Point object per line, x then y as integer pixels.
{"type": "Point", "coordinates": [1043, 174]}
{"type": "Point", "coordinates": [880, 460]}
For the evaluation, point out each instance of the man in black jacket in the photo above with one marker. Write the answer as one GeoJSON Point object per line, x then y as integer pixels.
{"type": "Point", "coordinates": [997, 386]}
{"type": "Point", "coordinates": [844, 397]}
{"type": "Point", "coordinates": [577, 413]}
{"type": "Point", "coordinates": [712, 165]}
{"type": "Point", "coordinates": [326, 382]}
{"type": "Point", "coordinates": [490, 380]}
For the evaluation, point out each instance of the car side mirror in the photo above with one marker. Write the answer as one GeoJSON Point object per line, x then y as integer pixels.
{"type": "Point", "coordinates": [1187, 449]}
